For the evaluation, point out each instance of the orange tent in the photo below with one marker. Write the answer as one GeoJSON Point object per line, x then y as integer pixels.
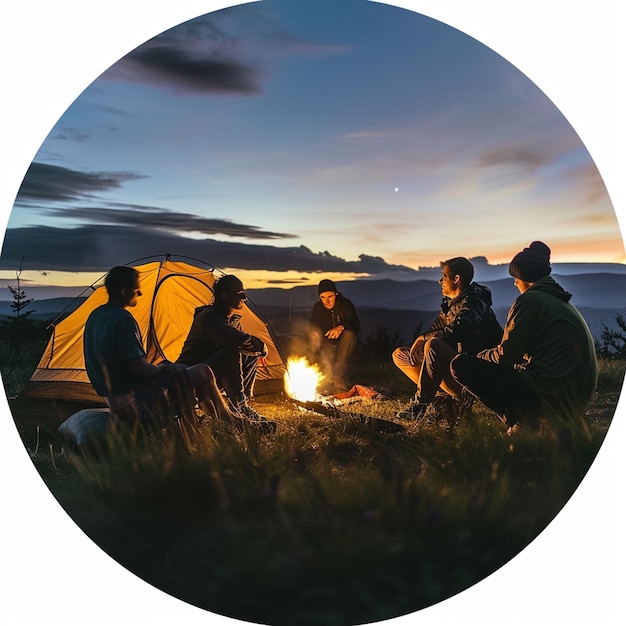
{"type": "Point", "coordinates": [172, 290]}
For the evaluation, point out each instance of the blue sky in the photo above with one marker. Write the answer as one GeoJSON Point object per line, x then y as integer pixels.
{"type": "Point", "coordinates": [346, 137]}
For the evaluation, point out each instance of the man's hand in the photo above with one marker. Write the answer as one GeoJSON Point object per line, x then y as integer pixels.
{"type": "Point", "coordinates": [334, 332]}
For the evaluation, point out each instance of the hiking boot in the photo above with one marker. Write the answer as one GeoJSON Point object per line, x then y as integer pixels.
{"type": "Point", "coordinates": [446, 409]}
{"type": "Point", "coordinates": [260, 421]}
{"type": "Point", "coordinates": [414, 411]}
{"type": "Point", "coordinates": [465, 403]}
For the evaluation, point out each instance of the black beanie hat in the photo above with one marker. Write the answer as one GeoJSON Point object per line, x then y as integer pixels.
{"type": "Point", "coordinates": [531, 263]}
{"type": "Point", "coordinates": [326, 285]}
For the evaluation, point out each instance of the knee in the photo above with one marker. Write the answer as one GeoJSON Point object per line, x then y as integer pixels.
{"type": "Point", "coordinates": [348, 338]}
{"type": "Point", "coordinates": [459, 366]}
{"type": "Point", "coordinates": [200, 374]}
{"type": "Point", "coordinates": [400, 356]}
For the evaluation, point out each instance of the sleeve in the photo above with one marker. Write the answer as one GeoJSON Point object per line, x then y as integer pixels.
{"type": "Point", "coordinates": [128, 339]}
{"type": "Point", "coordinates": [349, 317]}
{"type": "Point", "coordinates": [513, 347]}
{"type": "Point", "coordinates": [466, 321]}
{"type": "Point", "coordinates": [230, 335]}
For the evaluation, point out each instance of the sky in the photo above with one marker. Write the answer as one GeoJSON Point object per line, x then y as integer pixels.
{"type": "Point", "coordinates": [572, 573]}
{"type": "Point", "coordinates": [282, 139]}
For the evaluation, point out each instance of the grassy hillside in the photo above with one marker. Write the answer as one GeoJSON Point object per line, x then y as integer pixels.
{"type": "Point", "coordinates": [328, 521]}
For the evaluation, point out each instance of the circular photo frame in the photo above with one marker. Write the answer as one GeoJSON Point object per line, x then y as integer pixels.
{"type": "Point", "coordinates": [289, 142]}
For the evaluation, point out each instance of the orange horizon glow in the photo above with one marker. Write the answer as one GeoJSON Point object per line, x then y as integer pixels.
{"type": "Point", "coordinates": [568, 252]}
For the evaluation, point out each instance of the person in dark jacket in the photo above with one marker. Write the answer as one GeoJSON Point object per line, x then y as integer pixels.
{"type": "Point", "coordinates": [466, 323]}
{"type": "Point", "coordinates": [545, 366]}
{"type": "Point", "coordinates": [136, 390]}
{"type": "Point", "coordinates": [217, 339]}
{"type": "Point", "coordinates": [333, 330]}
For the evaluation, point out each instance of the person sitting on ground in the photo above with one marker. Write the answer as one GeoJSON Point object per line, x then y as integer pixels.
{"type": "Point", "coordinates": [137, 391]}
{"type": "Point", "coordinates": [545, 365]}
{"type": "Point", "coordinates": [466, 323]}
{"type": "Point", "coordinates": [333, 330]}
{"type": "Point", "coordinates": [217, 339]}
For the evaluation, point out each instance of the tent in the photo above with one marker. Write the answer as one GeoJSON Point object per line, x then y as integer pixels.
{"type": "Point", "coordinates": [171, 291]}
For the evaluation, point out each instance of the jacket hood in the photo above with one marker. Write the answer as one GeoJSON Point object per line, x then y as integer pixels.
{"type": "Point", "coordinates": [480, 291]}
{"type": "Point", "coordinates": [550, 286]}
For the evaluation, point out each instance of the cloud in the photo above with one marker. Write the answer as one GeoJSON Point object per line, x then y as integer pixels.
{"type": "Point", "coordinates": [53, 183]}
{"type": "Point", "coordinates": [225, 52]}
{"type": "Point", "coordinates": [147, 218]}
{"type": "Point", "coordinates": [516, 157]}
{"type": "Point", "coordinates": [166, 65]}
{"type": "Point", "coordinates": [98, 248]}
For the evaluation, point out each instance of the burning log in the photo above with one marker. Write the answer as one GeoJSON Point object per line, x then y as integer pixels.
{"type": "Point", "coordinates": [328, 410]}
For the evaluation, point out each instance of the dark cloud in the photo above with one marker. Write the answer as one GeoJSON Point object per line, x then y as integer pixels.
{"type": "Point", "coordinates": [52, 183]}
{"type": "Point", "coordinates": [179, 69]}
{"type": "Point", "coordinates": [224, 52]}
{"type": "Point", "coordinates": [48, 184]}
{"type": "Point", "coordinates": [98, 248]}
{"type": "Point", "coordinates": [147, 218]}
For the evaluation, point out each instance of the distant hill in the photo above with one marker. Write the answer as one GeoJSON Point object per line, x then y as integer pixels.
{"type": "Point", "coordinates": [403, 306]}
{"type": "Point", "coordinates": [46, 309]}
{"type": "Point", "coordinates": [601, 290]}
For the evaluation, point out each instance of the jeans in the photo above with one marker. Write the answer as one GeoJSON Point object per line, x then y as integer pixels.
{"type": "Point", "coordinates": [427, 364]}
{"type": "Point", "coordinates": [234, 372]}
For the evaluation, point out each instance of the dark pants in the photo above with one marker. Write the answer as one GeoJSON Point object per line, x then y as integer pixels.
{"type": "Point", "coordinates": [333, 355]}
{"type": "Point", "coordinates": [234, 372]}
{"type": "Point", "coordinates": [427, 364]}
{"type": "Point", "coordinates": [498, 387]}
{"type": "Point", "coordinates": [157, 400]}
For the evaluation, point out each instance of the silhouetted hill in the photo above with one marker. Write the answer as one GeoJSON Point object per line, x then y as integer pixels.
{"type": "Point", "coordinates": [402, 306]}
{"type": "Point", "coordinates": [601, 290]}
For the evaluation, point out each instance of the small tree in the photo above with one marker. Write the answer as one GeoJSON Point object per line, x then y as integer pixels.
{"type": "Point", "coordinates": [614, 340]}
{"type": "Point", "coordinates": [20, 300]}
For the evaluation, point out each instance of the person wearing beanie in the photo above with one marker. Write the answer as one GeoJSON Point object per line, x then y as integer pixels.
{"type": "Point", "coordinates": [545, 368]}
{"type": "Point", "coordinates": [466, 323]}
{"type": "Point", "coordinates": [333, 331]}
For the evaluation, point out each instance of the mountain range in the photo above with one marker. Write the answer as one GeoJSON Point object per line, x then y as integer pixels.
{"type": "Point", "coordinates": [599, 292]}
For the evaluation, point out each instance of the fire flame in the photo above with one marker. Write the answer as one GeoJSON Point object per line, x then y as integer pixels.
{"type": "Point", "coordinates": [302, 379]}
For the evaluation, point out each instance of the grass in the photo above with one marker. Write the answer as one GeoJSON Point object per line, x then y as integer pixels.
{"type": "Point", "coordinates": [328, 521]}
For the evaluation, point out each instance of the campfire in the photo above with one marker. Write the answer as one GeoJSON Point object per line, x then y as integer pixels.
{"type": "Point", "coordinates": [302, 379]}
{"type": "Point", "coordinates": [301, 382]}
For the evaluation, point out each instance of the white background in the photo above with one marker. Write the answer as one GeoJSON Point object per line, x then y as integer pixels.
{"type": "Point", "coordinates": [573, 573]}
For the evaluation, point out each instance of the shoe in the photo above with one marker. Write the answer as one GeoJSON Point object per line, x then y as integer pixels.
{"type": "Point", "coordinates": [451, 409]}
{"type": "Point", "coordinates": [465, 403]}
{"type": "Point", "coordinates": [446, 409]}
{"type": "Point", "coordinates": [249, 414]}
{"type": "Point", "coordinates": [414, 411]}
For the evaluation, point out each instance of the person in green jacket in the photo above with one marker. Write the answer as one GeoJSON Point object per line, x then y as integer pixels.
{"type": "Point", "coordinates": [545, 366]}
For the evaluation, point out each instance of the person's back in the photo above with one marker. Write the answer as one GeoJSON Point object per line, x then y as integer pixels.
{"type": "Point", "coordinates": [560, 355]}
{"type": "Point", "coordinates": [106, 352]}
{"type": "Point", "coordinates": [545, 368]}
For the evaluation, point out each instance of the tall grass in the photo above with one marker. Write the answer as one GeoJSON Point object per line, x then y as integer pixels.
{"type": "Point", "coordinates": [328, 521]}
